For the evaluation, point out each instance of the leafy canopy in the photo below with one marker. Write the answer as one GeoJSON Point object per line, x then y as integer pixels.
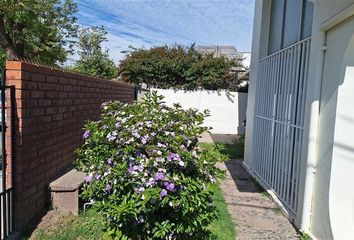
{"type": "Point", "coordinates": [41, 30]}
{"type": "Point", "coordinates": [94, 60]}
{"type": "Point", "coordinates": [178, 67]}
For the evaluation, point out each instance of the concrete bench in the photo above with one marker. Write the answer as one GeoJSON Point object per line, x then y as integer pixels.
{"type": "Point", "coordinates": [65, 191]}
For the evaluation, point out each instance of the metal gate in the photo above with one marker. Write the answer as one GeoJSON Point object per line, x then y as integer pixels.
{"type": "Point", "coordinates": [7, 95]}
{"type": "Point", "coordinates": [279, 121]}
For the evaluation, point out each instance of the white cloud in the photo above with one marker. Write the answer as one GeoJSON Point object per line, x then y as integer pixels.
{"type": "Point", "coordinates": [148, 23]}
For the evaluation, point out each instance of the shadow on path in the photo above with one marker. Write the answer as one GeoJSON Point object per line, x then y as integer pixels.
{"type": "Point", "coordinates": [256, 215]}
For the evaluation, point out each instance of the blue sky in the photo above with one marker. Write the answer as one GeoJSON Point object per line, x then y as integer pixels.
{"type": "Point", "coordinates": [146, 23]}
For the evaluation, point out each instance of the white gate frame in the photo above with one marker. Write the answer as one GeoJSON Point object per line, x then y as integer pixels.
{"type": "Point", "coordinates": [279, 121]}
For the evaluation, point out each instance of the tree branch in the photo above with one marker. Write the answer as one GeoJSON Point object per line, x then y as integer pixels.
{"type": "Point", "coordinates": [5, 42]}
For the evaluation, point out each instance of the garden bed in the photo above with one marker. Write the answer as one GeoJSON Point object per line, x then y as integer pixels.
{"type": "Point", "coordinates": [147, 177]}
{"type": "Point", "coordinates": [58, 226]}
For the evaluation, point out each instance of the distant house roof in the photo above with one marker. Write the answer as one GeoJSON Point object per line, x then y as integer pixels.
{"type": "Point", "coordinates": [229, 52]}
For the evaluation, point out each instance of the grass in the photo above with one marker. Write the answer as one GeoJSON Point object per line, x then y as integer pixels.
{"type": "Point", "coordinates": [83, 227]}
{"type": "Point", "coordinates": [223, 228]}
{"type": "Point", "coordinates": [87, 225]}
{"type": "Point", "coordinates": [233, 150]}
{"type": "Point", "coordinates": [304, 236]}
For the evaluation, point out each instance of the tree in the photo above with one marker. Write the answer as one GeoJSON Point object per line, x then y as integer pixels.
{"type": "Point", "coordinates": [178, 67]}
{"type": "Point", "coordinates": [94, 60]}
{"type": "Point", "coordinates": [40, 30]}
{"type": "Point", "coordinates": [2, 59]}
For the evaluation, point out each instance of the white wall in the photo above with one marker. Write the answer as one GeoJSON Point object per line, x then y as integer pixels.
{"type": "Point", "coordinates": [258, 51]}
{"type": "Point", "coordinates": [226, 114]}
{"type": "Point", "coordinates": [333, 205]}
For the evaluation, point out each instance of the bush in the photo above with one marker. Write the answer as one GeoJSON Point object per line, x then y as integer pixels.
{"type": "Point", "coordinates": [146, 174]}
{"type": "Point", "coordinates": [178, 67]}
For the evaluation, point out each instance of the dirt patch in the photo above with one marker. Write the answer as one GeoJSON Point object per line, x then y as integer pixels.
{"type": "Point", "coordinates": [51, 221]}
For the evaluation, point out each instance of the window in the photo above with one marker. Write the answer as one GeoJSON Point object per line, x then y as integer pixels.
{"type": "Point", "coordinates": [292, 15]}
{"type": "Point", "coordinates": [275, 29]}
{"type": "Point", "coordinates": [290, 22]}
{"type": "Point", "coordinates": [307, 20]}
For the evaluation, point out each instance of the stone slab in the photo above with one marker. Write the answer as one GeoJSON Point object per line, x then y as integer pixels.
{"type": "Point", "coordinates": [71, 181]}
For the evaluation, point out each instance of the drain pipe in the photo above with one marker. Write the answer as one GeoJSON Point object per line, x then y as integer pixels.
{"type": "Point", "coordinates": [311, 156]}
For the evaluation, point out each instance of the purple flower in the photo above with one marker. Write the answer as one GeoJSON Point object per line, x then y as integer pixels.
{"type": "Point", "coordinates": [97, 176]}
{"type": "Point", "coordinates": [140, 167]}
{"type": "Point", "coordinates": [138, 152]}
{"type": "Point", "coordinates": [86, 134]}
{"type": "Point", "coordinates": [143, 140]}
{"type": "Point", "coordinates": [112, 136]}
{"type": "Point", "coordinates": [151, 182]}
{"type": "Point", "coordinates": [139, 190]}
{"type": "Point", "coordinates": [170, 236]}
{"type": "Point", "coordinates": [181, 187]}
{"type": "Point", "coordinates": [135, 134]}
{"type": "Point", "coordinates": [117, 125]}
{"type": "Point", "coordinates": [184, 148]}
{"type": "Point", "coordinates": [158, 152]}
{"type": "Point", "coordinates": [173, 156]}
{"type": "Point", "coordinates": [169, 186]}
{"type": "Point", "coordinates": [163, 193]}
{"type": "Point", "coordinates": [108, 188]}
{"type": "Point", "coordinates": [88, 179]}
{"type": "Point", "coordinates": [159, 176]}
{"type": "Point", "coordinates": [161, 145]}
{"type": "Point", "coordinates": [109, 161]}
{"type": "Point", "coordinates": [159, 159]}
{"type": "Point", "coordinates": [131, 169]}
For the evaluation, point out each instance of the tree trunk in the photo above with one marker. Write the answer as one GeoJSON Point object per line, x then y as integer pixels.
{"type": "Point", "coordinates": [5, 41]}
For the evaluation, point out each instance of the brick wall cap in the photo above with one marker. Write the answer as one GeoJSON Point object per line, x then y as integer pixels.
{"type": "Point", "coordinates": [60, 72]}
{"type": "Point", "coordinates": [70, 181]}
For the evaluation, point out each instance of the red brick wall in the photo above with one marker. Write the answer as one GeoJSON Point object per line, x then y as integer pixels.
{"type": "Point", "coordinates": [51, 108]}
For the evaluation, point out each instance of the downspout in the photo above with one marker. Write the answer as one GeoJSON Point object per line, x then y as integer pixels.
{"type": "Point", "coordinates": [313, 136]}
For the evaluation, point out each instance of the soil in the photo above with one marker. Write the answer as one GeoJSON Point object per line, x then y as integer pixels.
{"type": "Point", "coordinates": [51, 221]}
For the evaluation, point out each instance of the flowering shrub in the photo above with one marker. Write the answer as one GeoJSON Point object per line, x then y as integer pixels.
{"type": "Point", "coordinates": [179, 67]}
{"type": "Point", "coordinates": [146, 173]}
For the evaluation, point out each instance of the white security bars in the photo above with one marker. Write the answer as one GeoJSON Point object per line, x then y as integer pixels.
{"type": "Point", "coordinates": [279, 121]}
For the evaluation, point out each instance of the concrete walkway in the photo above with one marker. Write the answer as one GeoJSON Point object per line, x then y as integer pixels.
{"type": "Point", "coordinates": [218, 138]}
{"type": "Point", "coordinates": [256, 215]}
